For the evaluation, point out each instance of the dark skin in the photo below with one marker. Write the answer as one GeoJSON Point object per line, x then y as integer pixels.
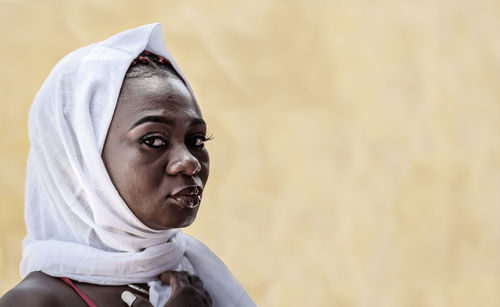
{"type": "Point", "coordinates": [39, 289]}
{"type": "Point", "coordinates": [154, 151]}
{"type": "Point", "coordinates": [155, 147]}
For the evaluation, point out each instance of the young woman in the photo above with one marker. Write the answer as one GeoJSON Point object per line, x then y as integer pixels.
{"type": "Point", "coordinates": [117, 165]}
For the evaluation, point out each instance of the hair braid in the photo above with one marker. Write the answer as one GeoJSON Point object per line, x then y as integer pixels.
{"type": "Point", "coordinates": [148, 64]}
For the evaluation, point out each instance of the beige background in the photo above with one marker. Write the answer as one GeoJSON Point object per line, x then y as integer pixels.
{"type": "Point", "coordinates": [356, 159]}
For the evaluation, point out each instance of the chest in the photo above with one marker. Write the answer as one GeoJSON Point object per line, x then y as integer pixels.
{"type": "Point", "coordinates": [84, 295]}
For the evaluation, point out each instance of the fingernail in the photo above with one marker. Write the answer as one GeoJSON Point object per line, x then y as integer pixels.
{"type": "Point", "coordinates": [128, 298]}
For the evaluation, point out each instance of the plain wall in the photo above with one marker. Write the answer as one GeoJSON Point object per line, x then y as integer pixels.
{"type": "Point", "coordinates": [356, 159]}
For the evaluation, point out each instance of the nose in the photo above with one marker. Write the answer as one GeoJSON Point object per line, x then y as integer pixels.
{"type": "Point", "coordinates": [182, 162]}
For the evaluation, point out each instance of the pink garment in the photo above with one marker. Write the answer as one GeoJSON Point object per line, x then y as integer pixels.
{"type": "Point", "coordinates": [79, 292]}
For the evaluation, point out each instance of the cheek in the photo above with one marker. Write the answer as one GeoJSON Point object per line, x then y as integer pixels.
{"type": "Point", "coordinates": [143, 177]}
{"type": "Point", "coordinates": [137, 179]}
{"type": "Point", "coordinates": [204, 160]}
{"type": "Point", "coordinates": [139, 190]}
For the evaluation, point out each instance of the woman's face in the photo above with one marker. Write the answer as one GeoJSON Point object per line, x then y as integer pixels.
{"type": "Point", "coordinates": [154, 151]}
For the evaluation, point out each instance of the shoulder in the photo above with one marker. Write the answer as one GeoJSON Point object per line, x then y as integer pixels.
{"type": "Point", "coordinates": [37, 289]}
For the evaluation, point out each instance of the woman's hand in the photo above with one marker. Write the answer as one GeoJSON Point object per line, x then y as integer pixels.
{"type": "Point", "coordinates": [187, 291]}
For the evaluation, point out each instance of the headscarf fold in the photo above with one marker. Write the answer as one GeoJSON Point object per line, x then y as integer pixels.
{"type": "Point", "coordinates": [78, 226]}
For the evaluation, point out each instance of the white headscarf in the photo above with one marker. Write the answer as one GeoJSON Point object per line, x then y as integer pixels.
{"type": "Point", "coordinates": [78, 225]}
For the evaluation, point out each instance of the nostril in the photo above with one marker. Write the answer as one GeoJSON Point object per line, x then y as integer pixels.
{"type": "Point", "coordinates": [188, 166]}
{"type": "Point", "coordinates": [198, 168]}
{"type": "Point", "coordinates": [193, 167]}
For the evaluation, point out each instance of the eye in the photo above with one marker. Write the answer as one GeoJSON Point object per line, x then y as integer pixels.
{"type": "Point", "coordinates": [198, 141]}
{"type": "Point", "coordinates": [154, 140]}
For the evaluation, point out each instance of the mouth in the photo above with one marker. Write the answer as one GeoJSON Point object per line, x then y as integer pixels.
{"type": "Point", "coordinates": [187, 197]}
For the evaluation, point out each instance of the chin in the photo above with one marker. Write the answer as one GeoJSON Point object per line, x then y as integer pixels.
{"type": "Point", "coordinates": [182, 221]}
{"type": "Point", "coordinates": [188, 222]}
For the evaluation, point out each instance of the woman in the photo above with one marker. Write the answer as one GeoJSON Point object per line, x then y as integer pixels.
{"type": "Point", "coordinates": [117, 165]}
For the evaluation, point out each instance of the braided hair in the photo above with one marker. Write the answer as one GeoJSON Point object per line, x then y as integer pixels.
{"type": "Point", "coordinates": [148, 64]}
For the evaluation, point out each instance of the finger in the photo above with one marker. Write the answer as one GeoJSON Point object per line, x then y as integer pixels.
{"type": "Point", "coordinates": [174, 278]}
{"type": "Point", "coordinates": [169, 278]}
{"type": "Point", "coordinates": [196, 281]}
{"type": "Point", "coordinates": [209, 299]}
{"type": "Point", "coordinates": [134, 301]}
{"type": "Point", "coordinates": [183, 277]}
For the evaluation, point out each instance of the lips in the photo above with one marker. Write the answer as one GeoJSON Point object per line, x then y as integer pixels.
{"type": "Point", "coordinates": [188, 197]}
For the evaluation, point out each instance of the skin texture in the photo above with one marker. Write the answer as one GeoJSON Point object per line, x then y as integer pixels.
{"type": "Point", "coordinates": [39, 289]}
{"type": "Point", "coordinates": [152, 160]}
{"type": "Point", "coordinates": [187, 291]}
{"type": "Point", "coordinates": [147, 162]}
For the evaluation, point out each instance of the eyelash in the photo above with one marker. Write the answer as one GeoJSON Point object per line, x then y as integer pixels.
{"type": "Point", "coordinates": [203, 140]}
{"type": "Point", "coordinates": [150, 138]}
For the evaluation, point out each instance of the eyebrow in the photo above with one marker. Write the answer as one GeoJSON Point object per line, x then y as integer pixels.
{"type": "Point", "coordinates": [197, 121]}
{"type": "Point", "coordinates": [163, 120]}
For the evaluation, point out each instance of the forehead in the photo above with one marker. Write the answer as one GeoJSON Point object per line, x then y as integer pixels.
{"type": "Point", "coordinates": [156, 94]}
